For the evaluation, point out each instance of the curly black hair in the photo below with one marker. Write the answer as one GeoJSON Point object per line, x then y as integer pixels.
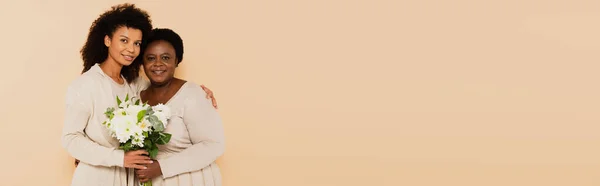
{"type": "Point", "coordinates": [169, 36]}
{"type": "Point", "coordinates": [94, 51]}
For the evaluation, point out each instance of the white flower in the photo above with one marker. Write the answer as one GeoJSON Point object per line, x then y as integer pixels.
{"type": "Point", "coordinates": [145, 124]}
{"type": "Point", "coordinates": [163, 113]}
{"type": "Point", "coordinates": [124, 104]}
{"type": "Point", "coordinates": [124, 127]}
{"type": "Point", "coordinates": [120, 112]}
{"type": "Point", "coordinates": [138, 140]}
{"type": "Point", "coordinates": [133, 110]}
{"type": "Point", "coordinates": [162, 108]}
{"type": "Point", "coordinates": [161, 116]}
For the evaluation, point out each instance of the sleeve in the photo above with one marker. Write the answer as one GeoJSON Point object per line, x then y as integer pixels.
{"type": "Point", "coordinates": [206, 132]}
{"type": "Point", "coordinates": [140, 84]}
{"type": "Point", "coordinates": [79, 106]}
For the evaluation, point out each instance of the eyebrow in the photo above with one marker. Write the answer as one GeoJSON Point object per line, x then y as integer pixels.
{"type": "Point", "coordinates": [128, 37]}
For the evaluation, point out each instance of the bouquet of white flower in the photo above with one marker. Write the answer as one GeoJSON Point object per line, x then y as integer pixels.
{"type": "Point", "coordinates": [138, 126]}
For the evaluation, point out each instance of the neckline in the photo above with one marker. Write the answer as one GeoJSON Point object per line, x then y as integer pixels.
{"type": "Point", "coordinates": [174, 95]}
{"type": "Point", "coordinates": [97, 65]}
{"type": "Point", "coordinates": [177, 93]}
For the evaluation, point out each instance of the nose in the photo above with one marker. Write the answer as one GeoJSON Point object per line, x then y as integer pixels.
{"type": "Point", "coordinates": [157, 63]}
{"type": "Point", "coordinates": [130, 48]}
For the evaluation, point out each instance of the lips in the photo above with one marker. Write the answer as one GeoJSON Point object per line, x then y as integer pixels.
{"type": "Point", "coordinates": [128, 57]}
{"type": "Point", "coordinates": [158, 72]}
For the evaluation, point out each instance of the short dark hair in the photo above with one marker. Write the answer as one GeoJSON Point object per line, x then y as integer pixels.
{"type": "Point", "coordinates": [170, 37]}
{"type": "Point", "coordinates": [94, 51]}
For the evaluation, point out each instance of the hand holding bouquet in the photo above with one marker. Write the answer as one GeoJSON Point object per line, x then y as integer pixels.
{"type": "Point", "coordinates": [138, 126]}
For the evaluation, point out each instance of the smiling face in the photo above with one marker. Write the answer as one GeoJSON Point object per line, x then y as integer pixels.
{"type": "Point", "coordinates": [124, 45]}
{"type": "Point", "coordinates": [160, 62]}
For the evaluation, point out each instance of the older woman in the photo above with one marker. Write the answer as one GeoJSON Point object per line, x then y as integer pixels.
{"type": "Point", "coordinates": [197, 132]}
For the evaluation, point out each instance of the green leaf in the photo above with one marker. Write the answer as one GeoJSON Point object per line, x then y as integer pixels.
{"type": "Point", "coordinates": [156, 123]}
{"type": "Point", "coordinates": [141, 115]}
{"type": "Point", "coordinates": [126, 146]}
{"type": "Point", "coordinates": [126, 97]}
{"type": "Point", "coordinates": [153, 152]}
{"type": "Point", "coordinates": [149, 111]}
{"type": "Point", "coordinates": [153, 136]}
{"type": "Point", "coordinates": [159, 126]}
{"type": "Point", "coordinates": [148, 144]}
{"type": "Point", "coordinates": [109, 112]}
{"type": "Point", "coordinates": [164, 138]}
{"type": "Point", "coordinates": [118, 101]}
{"type": "Point", "coordinates": [137, 102]}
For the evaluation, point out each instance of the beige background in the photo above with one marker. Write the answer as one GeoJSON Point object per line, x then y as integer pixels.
{"type": "Point", "coordinates": [344, 93]}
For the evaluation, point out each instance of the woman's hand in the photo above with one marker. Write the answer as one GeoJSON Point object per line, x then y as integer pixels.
{"type": "Point", "coordinates": [136, 159]}
{"type": "Point", "coordinates": [210, 95]}
{"type": "Point", "coordinates": [148, 174]}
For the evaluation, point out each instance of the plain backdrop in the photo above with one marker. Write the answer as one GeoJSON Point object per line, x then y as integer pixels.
{"type": "Point", "coordinates": [341, 92]}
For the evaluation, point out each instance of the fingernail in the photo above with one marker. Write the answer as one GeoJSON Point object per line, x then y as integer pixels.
{"type": "Point", "coordinates": [151, 161]}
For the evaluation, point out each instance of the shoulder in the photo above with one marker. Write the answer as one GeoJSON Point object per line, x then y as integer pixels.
{"type": "Point", "coordinates": [193, 89]}
{"type": "Point", "coordinates": [82, 88]}
{"type": "Point", "coordinates": [86, 81]}
{"type": "Point", "coordinates": [194, 98]}
{"type": "Point", "coordinates": [140, 83]}
{"type": "Point", "coordinates": [193, 93]}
